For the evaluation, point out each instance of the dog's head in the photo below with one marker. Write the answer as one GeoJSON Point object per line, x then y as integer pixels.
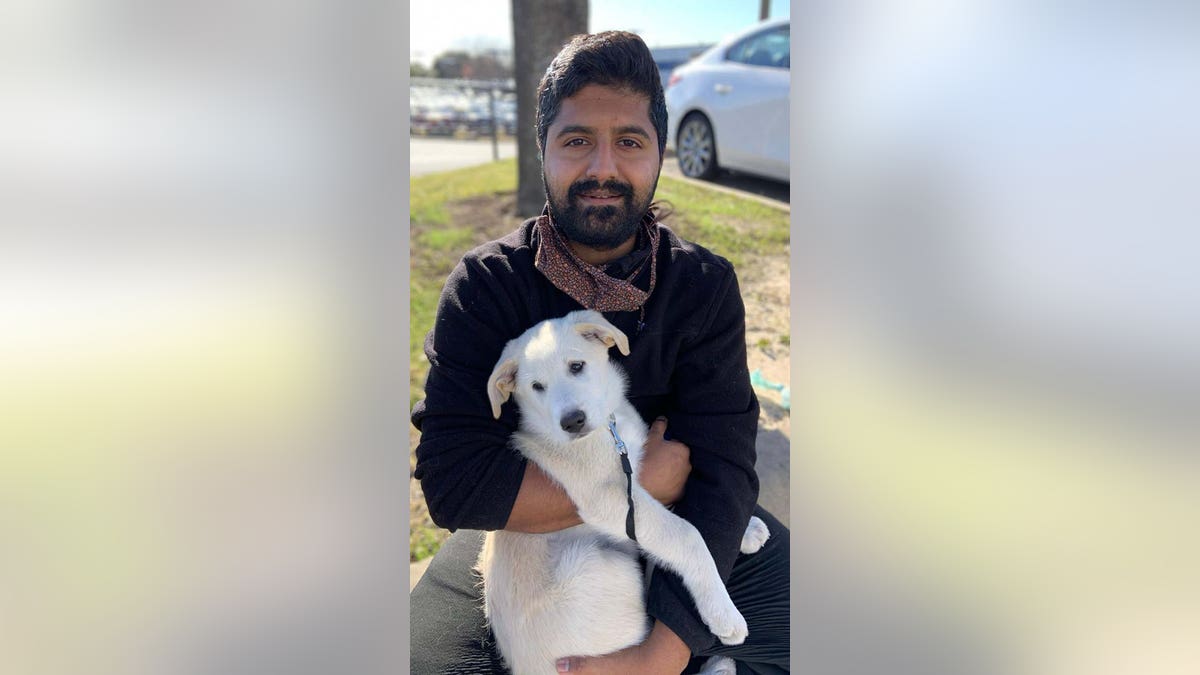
{"type": "Point", "coordinates": [560, 376]}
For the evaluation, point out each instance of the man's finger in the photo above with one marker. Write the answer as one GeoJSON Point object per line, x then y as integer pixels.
{"type": "Point", "coordinates": [659, 427]}
{"type": "Point", "coordinates": [572, 664]}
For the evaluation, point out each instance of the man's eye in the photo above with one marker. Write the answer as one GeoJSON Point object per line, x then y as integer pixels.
{"type": "Point", "coordinates": [630, 143]}
{"type": "Point", "coordinates": [575, 142]}
{"type": "Point", "coordinates": [538, 386]}
{"type": "Point", "coordinates": [576, 367]}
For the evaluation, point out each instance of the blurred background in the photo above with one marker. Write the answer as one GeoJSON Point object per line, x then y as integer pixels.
{"type": "Point", "coordinates": [993, 450]}
{"type": "Point", "coordinates": [996, 373]}
{"type": "Point", "coordinates": [201, 239]}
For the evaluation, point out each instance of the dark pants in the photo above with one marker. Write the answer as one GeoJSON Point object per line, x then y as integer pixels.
{"type": "Point", "coordinates": [449, 636]}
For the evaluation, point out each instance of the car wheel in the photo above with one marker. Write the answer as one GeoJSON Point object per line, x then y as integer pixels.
{"type": "Point", "coordinates": [697, 147]}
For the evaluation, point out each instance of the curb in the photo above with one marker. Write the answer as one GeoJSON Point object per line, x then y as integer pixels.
{"type": "Point", "coordinates": [765, 201]}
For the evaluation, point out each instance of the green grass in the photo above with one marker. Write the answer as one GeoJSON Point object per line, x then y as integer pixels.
{"type": "Point", "coordinates": [452, 240]}
{"type": "Point", "coordinates": [437, 244]}
{"type": "Point", "coordinates": [430, 194]}
{"type": "Point", "coordinates": [423, 544]}
{"type": "Point", "coordinates": [735, 228]}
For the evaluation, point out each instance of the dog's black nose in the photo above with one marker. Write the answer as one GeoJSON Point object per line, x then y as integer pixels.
{"type": "Point", "coordinates": [573, 421]}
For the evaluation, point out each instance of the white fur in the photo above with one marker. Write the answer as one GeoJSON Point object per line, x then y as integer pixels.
{"type": "Point", "coordinates": [578, 592]}
{"type": "Point", "coordinates": [719, 665]}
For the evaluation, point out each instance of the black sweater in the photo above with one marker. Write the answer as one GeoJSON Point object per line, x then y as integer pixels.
{"type": "Point", "coordinates": [688, 363]}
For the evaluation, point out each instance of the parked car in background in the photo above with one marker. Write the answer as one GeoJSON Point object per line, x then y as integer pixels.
{"type": "Point", "coordinates": [669, 58]}
{"type": "Point", "coordinates": [728, 108]}
{"type": "Point", "coordinates": [461, 108]}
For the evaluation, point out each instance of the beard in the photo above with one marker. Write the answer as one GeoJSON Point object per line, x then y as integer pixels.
{"type": "Point", "coordinates": [600, 227]}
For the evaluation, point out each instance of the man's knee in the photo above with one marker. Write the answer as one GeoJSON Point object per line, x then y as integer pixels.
{"type": "Point", "coordinates": [447, 627]}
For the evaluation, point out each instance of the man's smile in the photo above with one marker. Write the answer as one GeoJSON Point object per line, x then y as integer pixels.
{"type": "Point", "coordinates": [600, 198]}
{"type": "Point", "coordinates": [594, 194]}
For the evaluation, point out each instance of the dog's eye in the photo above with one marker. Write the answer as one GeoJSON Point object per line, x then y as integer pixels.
{"type": "Point", "coordinates": [538, 386]}
{"type": "Point", "coordinates": [576, 367]}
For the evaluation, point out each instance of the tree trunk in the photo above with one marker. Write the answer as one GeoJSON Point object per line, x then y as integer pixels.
{"type": "Point", "coordinates": [540, 28]}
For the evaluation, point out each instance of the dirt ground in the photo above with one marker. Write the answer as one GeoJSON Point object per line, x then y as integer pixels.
{"type": "Point", "coordinates": [766, 288]}
{"type": "Point", "coordinates": [766, 292]}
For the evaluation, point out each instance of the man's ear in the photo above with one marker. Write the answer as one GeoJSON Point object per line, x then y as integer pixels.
{"type": "Point", "coordinates": [501, 384]}
{"type": "Point", "coordinates": [592, 326]}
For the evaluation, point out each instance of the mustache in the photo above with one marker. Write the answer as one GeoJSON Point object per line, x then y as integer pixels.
{"type": "Point", "coordinates": [614, 186]}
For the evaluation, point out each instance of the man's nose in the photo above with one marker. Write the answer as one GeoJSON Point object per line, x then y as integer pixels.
{"type": "Point", "coordinates": [573, 421]}
{"type": "Point", "coordinates": [604, 163]}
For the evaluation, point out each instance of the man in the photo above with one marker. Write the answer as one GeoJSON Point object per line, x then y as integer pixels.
{"type": "Point", "coordinates": [602, 132]}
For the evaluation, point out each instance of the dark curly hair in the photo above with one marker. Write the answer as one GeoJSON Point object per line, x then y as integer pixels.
{"type": "Point", "coordinates": [614, 59]}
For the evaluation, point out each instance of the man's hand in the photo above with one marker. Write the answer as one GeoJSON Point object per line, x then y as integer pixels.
{"type": "Point", "coordinates": [542, 505]}
{"type": "Point", "coordinates": [663, 653]}
{"type": "Point", "coordinates": [665, 465]}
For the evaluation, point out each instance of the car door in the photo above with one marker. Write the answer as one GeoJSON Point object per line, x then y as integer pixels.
{"type": "Point", "coordinates": [750, 104]}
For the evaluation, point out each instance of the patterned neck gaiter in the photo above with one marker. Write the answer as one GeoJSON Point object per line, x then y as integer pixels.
{"type": "Point", "coordinates": [589, 285]}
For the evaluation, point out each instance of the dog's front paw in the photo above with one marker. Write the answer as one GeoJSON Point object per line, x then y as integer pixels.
{"type": "Point", "coordinates": [727, 624]}
{"type": "Point", "coordinates": [755, 536]}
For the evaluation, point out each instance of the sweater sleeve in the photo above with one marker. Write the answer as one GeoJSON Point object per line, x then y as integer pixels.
{"type": "Point", "coordinates": [715, 413]}
{"type": "Point", "coordinates": [468, 472]}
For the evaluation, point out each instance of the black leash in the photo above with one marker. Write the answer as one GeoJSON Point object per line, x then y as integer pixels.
{"type": "Point", "coordinates": [628, 469]}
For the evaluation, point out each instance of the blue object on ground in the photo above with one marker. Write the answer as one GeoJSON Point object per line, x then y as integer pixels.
{"type": "Point", "coordinates": [757, 379]}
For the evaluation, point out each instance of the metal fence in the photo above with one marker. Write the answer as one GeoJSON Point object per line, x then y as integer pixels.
{"type": "Point", "coordinates": [463, 109]}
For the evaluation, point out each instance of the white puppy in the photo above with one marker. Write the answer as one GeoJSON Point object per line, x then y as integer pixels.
{"type": "Point", "coordinates": [578, 591]}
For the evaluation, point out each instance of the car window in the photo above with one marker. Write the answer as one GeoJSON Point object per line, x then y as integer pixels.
{"type": "Point", "coordinates": [771, 49]}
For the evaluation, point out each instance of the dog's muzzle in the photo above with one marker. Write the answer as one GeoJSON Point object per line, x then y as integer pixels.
{"type": "Point", "coordinates": [573, 421]}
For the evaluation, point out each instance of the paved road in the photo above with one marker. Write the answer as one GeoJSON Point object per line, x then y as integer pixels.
{"type": "Point", "coordinates": [771, 191]}
{"type": "Point", "coordinates": [430, 155]}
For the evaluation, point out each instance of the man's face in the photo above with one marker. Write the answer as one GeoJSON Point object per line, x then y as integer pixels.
{"type": "Point", "coordinates": [601, 165]}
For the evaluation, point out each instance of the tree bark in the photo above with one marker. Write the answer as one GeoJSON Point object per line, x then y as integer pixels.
{"type": "Point", "coordinates": [540, 28]}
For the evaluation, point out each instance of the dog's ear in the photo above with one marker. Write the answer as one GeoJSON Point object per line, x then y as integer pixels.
{"type": "Point", "coordinates": [595, 327]}
{"type": "Point", "coordinates": [501, 384]}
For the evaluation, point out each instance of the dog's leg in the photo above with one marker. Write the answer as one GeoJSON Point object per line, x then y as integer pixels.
{"type": "Point", "coordinates": [675, 544]}
{"type": "Point", "coordinates": [719, 665]}
{"type": "Point", "coordinates": [672, 541]}
{"type": "Point", "coordinates": [756, 536]}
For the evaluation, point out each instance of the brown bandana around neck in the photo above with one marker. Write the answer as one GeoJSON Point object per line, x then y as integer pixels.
{"type": "Point", "coordinates": [589, 285]}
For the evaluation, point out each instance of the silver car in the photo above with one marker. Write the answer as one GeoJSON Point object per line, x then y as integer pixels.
{"type": "Point", "coordinates": [728, 108]}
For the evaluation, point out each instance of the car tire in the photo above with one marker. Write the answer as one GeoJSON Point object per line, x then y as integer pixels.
{"type": "Point", "coordinates": [696, 147]}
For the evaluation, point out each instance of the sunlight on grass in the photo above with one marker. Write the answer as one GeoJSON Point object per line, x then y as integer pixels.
{"type": "Point", "coordinates": [455, 239]}
{"type": "Point", "coordinates": [436, 248]}
{"type": "Point", "coordinates": [430, 193]}
{"type": "Point", "coordinates": [734, 228]}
